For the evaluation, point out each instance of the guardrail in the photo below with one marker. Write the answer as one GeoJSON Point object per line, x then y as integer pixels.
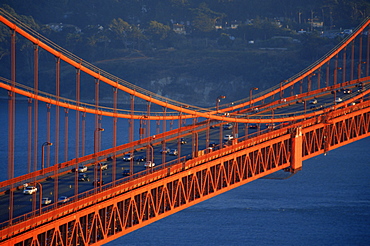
{"type": "Point", "coordinates": [125, 184]}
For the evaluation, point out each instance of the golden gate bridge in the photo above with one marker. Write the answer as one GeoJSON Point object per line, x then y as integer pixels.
{"type": "Point", "coordinates": [164, 168]}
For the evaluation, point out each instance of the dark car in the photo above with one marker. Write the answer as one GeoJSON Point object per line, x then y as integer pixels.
{"type": "Point", "coordinates": [80, 169]}
{"type": "Point", "coordinates": [183, 141]}
{"type": "Point", "coordinates": [98, 182]}
{"type": "Point", "coordinates": [63, 199]}
{"type": "Point", "coordinates": [173, 152]}
{"type": "Point", "coordinates": [126, 172]}
{"type": "Point", "coordinates": [83, 177]}
{"type": "Point", "coordinates": [253, 126]}
{"type": "Point", "coordinates": [228, 126]}
{"type": "Point", "coordinates": [212, 144]}
{"type": "Point", "coordinates": [140, 158]}
{"type": "Point", "coordinates": [128, 157]}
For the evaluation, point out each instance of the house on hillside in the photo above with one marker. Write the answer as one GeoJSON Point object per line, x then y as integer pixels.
{"type": "Point", "coordinates": [179, 28]}
{"type": "Point", "coordinates": [218, 24]}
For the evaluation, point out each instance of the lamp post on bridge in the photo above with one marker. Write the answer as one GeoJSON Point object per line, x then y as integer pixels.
{"type": "Point", "coordinates": [218, 100]}
{"type": "Point", "coordinates": [141, 128]}
{"type": "Point", "coordinates": [43, 154]}
{"type": "Point", "coordinates": [281, 87]}
{"type": "Point", "coordinates": [151, 149]}
{"type": "Point", "coordinates": [250, 95]}
{"type": "Point", "coordinates": [96, 149]}
{"type": "Point", "coordinates": [34, 196]}
{"type": "Point", "coordinates": [359, 69]}
{"type": "Point", "coordinates": [335, 75]}
{"type": "Point", "coordinates": [309, 85]}
{"type": "Point", "coordinates": [96, 145]}
{"type": "Point", "coordinates": [217, 108]}
{"type": "Point", "coordinates": [40, 197]}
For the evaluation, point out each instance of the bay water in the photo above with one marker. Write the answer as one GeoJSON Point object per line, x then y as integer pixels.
{"type": "Point", "coordinates": [327, 203]}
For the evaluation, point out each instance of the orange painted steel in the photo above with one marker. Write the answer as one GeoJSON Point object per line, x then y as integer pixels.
{"type": "Point", "coordinates": [125, 148]}
{"type": "Point", "coordinates": [191, 113]}
{"type": "Point", "coordinates": [118, 150]}
{"type": "Point", "coordinates": [118, 210]}
{"type": "Point", "coordinates": [228, 118]}
{"type": "Point", "coordinates": [122, 206]}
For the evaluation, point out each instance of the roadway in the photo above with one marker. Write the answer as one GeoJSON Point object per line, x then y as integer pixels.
{"type": "Point", "coordinates": [24, 204]}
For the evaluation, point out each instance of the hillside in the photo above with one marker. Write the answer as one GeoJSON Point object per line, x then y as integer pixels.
{"type": "Point", "coordinates": [189, 50]}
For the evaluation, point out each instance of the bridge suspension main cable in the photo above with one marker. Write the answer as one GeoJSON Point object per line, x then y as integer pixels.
{"type": "Point", "coordinates": [230, 114]}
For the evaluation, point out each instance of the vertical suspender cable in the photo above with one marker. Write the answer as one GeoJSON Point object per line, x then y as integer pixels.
{"type": "Point", "coordinates": [352, 59]}
{"type": "Point", "coordinates": [115, 119]}
{"type": "Point", "coordinates": [77, 135]}
{"type": "Point", "coordinates": [359, 66]}
{"type": "Point", "coordinates": [48, 106]}
{"type": "Point", "coordinates": [11, 123]}
{"type": "Point", "coordinates": [36, 113]}
{"type": "Point", "coordinates": [66, 130]}
{"type": "Point", "coordinates": [57, 109]}
{"type": "Point", "coordinates": [36, 109]}
{"type": "Point", "coordinates": [57, 125]}
{"type": "Point", "coordinates": [131, 128]}
{"type": "Point", "coordinates": [29, 141]}
{"type": "Point", "coordinates": [327, 73]}
{"type": "Point", "coordinates": [336, 70]}
{"type": "Point", "coordinates": [368, 52]}
{"type": "Point", "coordinates": [95, 130]}
{"type": "Point", "coordinates": [131, 121]}
{"type": "Point", "coordinates": [83, 134]}
{"type": "Point", "coordinates": [344, 66]}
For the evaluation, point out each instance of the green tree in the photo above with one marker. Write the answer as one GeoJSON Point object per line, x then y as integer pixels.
{"type": "Point", "coordinates": [137, 37]}
{"type": "Point", "coordinates": [121, 30]}
{"type": "Point", "coordinates": [346, 13]}
{"type": "Point", "coordinates": [158, 31]}
{"type": "Point", "coordinates": [205, 18]}
{"type": "Point", "coordinates": [225, 40]}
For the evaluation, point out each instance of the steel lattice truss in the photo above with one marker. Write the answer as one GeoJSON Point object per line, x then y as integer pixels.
{"type": "Point", "coordinates": [100, 217]}
{"type": "Point", "coordinates": [335, 133]}
{"type": "Point", "coordinates": [186, 184]}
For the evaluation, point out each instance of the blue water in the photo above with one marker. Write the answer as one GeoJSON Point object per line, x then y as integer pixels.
{"type": "Point", "coordinates": [327, 203]}
{"type": "Point", "coordinates": [21, 134]}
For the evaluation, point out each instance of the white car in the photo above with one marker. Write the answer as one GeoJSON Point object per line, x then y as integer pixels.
{"type": "Point", "coordinates": [46, 201]}
{"type": "Point", "coordinates": [63, 199]}
{"type": "Point", "coordinates": [102, 166]}
{"type": "Point", "coordinates": [313, 101]}
{"type": "Point", "coordinates": [228, 137]}
{"type": "Point", "coordinates": [82, 169]}
{"type": "Point", "coordinates": [149, 164]}
{"type": "Point", "coordinates": [29, 190]}
{"type": "Point", "coordinates": [165, 150]}
{"type": "Point", "coordinates": [338, 99]}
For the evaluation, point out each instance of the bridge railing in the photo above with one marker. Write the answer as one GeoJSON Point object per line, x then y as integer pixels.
{"type": "Point", "coordinates": [185, 162]}
{"type": "Point", "coordinates": [60, 168]}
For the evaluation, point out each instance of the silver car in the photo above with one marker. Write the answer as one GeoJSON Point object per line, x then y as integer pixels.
{"type": "Point", "coordinates": [46, 201]}
{"type": "Point", "coordinates": [29, 190]}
